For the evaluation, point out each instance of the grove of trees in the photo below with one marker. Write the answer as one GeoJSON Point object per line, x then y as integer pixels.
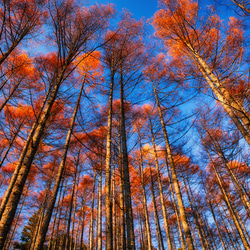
{"type": "Point", "coordinates": [124, 134]}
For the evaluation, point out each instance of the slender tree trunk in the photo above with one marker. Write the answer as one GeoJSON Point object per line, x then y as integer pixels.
{"type": "Point", "coordinates": [175, 179]}
{"type": "Point", "coordinates": [231, 239]}
{"type": "Point", "coordinates": [83, 217]}
{"type": "Point", "coordinates": [91, 226]}
{"type": "Point", "coordinates": [121, 186]}
{"type": "Point", "coordinates": [183, 243]}
{"type": "Point", "coordinates": [216, 224]}
{"type": "Point", "coordinates": [157, 223]}
{"type": "Point", "coordinates": [128, 202]}
{"type": "Point", "coordinates": [99, 243]}
{"type": "Point", "coordinates": [67, 244]}
{"type": "Point", "coordinates": [54, 222]}
{"type": "Point", "coordinates": [140, 233]}
{"type": "Point", "coordinates": [76, 234]}
{"type": "Point", "coordinates": [198, 214]}
{"type": "Point", "coordinates": [114, 207]}
{"type": "Point", "coordinates": [165, 217]}
{"type": "Point", "coordinates": [62, 240]}
{"type": "Point", "coordinates": [108, 201]}
{"type": "Point", "coordinates": [75, 205]}
{"type": "Point", "coordinates": [59, 215]}
{"type": "Point", "coordinates": [204, 247]}
{"type": "Point", "coordinates": [42, 210]}
{"type": "Point", "coordinates": [192, 230]}
{"type": "Point", "coordinates": [52, 200]}
{"type": "Point", "coordinates": [144, 200]}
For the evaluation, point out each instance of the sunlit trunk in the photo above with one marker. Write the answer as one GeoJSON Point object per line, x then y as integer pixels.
{"type": "Point", "coordinates": [175, 180]}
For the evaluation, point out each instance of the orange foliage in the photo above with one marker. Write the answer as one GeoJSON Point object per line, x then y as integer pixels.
{"type": "Point", "coordinates": [9, 168]}
{"type": "Point", "coordinates": [20, 113]}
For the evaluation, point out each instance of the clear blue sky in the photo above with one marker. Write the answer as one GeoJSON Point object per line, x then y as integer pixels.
{"type": "Point", "coordinates": [139, 9]}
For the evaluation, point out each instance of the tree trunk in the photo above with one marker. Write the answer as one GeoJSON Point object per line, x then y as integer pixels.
{"type": "Point", "coordinates": [59, 215]}
{"type": "Point", "coordinates": [233, 244]}
{"type": "Point", "coordinates": [99, 243]}
{"type": "Point", "coordinates": [113, 208]}
{"type": "Point", "coordinates": [175, 179]}
{"type": "Point", "coordinates": [108, 201]}
{"type": "Point", "coordinates": [128, 202]}
{"type": "Point", "coordinates": [216, 224]}
{"type": "Point", "coordinates": [121, 186]}
{"type": "Point", "coordinates": [198, 226]}
{"type": "Point", "coordinates": [54, 222]}
{"type": "Point", "coordinates": [91, 226]}
{"type": "Point", "coordinates": [83, 217]}
{"type": "Point", "coordinates": [198, 215]}
{"type": "Point", "coordinates": [43, 207]}
{"type": "Point", "coordinates": [75, 204]}
{"type": "Point", "coordinates": [52, 200]}
{"type": "Point", "coordinates": [67, 244]}
{"type": "Point", "coordinates": [76, 234]}
{"type": "Point", "coordinates": [157, 223]}
{"type": "Point", "coordinates": [144, 200]}
{"type": "Point", "coordinates": [165, 217]}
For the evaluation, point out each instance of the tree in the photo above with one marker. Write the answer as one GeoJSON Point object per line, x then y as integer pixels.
{"type": "Point", "coordinates": [80, 29]}
{"type": "Point", "coordinates": [179, 25]}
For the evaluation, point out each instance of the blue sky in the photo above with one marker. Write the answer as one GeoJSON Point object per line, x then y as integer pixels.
{"type": "Point", "coordinates": [139, 9]}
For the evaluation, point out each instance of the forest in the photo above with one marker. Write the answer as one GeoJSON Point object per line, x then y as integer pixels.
{"type": "Point", "coordinates": [124, 134]}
